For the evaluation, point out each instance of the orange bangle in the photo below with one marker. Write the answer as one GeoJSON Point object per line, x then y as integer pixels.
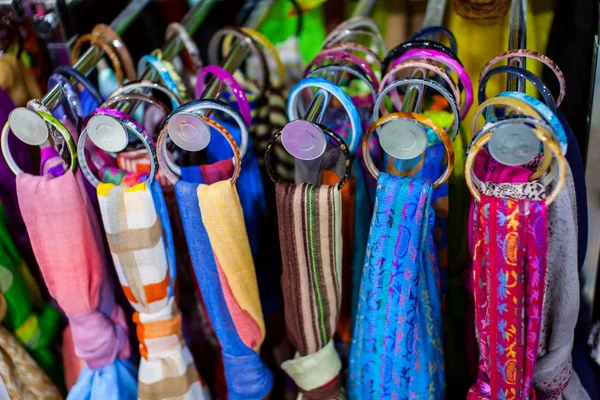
{"type": "Point", "coordinates": [428, 122]}
{"type": "Point", "coordinates": [107, 33]}
{"type": "Point", "coordinates": [104, 46]}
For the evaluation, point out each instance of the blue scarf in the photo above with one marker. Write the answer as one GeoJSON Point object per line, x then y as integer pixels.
{"type": "Point", "coordinates": [397, 347]}
{"type": "Point", "coordinates": [246, 375]}
{"type": "Point", "coordinates": [114, 381]}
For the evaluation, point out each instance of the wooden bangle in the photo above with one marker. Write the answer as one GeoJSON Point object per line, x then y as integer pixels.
{"type": "Point", "coordinates": [107, 33]}
{"type": "Point", "coordinates": [104, 46]}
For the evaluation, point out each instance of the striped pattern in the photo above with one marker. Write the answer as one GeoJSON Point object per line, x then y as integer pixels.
{"type": "Point", "coordinates": [136, 239]}
{"type": "Point", "coordinates": [139, 161]}
{"type": "Point", "coordinates": [311, 245]}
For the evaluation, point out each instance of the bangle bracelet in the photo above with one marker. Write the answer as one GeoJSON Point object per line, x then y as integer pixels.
{"type": "Point", "coordinates": [352, 36]}
{"type": "Point", "coordinates": [429, 31]}
{"type": "Point", "coordinates": [405, 47]}
{"type": "Point", "coordinates": [150, 61]}
{"type": "Point", "coordinates": [181, 88]}
{"type": "Point", "coordinates": [71, 72]}
{"type": "Point", "coordinates": [359, 48]}
{"type": "Point", "coordinates": [108, 34]}
{"type": "Point", "coordinates": [342, 57]}
{"type": "Point", "coordinates": [176, 29]}
{"type": "Point", "coordinates": [266, 43]}
{"type": "Point", "coordinates": [420, 81]}
{"type": "Point", "coordinates": [102, 45]}
{"type": "Point", "coordinates": [358, 73]}
{"type": "Point", "coordinates": [143, 85]}
{"type": "Point", "coordinates": [420, 65]}
{"type": "Point", "coordinates": [213, 53]}
{"type": "Point", "coordinates": [195, 107]}
{"type": "Point", "coordinates": [353, 24]}
{"type": "Point", "coordinates": [549, 143]}
{"type": "Point", "coordinates": [522, 73]}
{"type": "Point", "coordinates": [547, 115]}
{"type": "Point", "coordinates": [427, 122]}
{"type": "Point", "coordinates": [161, 146]}
{"type": "Point", "coordinates": [131, 125]}
{"type": "Point", "coordinates": [112, 101]}
{"type": "Point", "coordinates": [225, 77]}
{"type": "Point", "coordinates": [447, 61]}
{"type": "Point", "coordinates": [57, 125]}
{"type": "Point", "coordinates": [536, 56]}
{"type": "Point", "coordinates": [68, 92]}
{"type": "Point", "coordinates": [339, 94]}
{"type": "Point", "coordinates": [327, 131]}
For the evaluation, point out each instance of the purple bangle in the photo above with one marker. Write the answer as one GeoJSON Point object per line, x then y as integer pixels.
{"type": "Point", "coordinates": [438, 56]}
{"type": "Point", "coordinates": [229, 81]}
{"type": "Point", "coordinates": [340, 55]}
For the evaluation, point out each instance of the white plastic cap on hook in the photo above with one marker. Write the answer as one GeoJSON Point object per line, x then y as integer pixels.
{"type": "Point", "coordinates": [403, 139]}
{"type": "Point", "coordinates": [189, 131]}
{"type": "Point", "coordinates": [514, 144]}
{"type": "Point", "coordinates": [28, 126]}
{"type": "Point", "coordinates": [303, 140]}
{"type": "Point", "coordinates": [107, 133]}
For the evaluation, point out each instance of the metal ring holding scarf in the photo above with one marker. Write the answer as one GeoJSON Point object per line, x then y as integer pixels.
{"type": "Point", "coordinates": [71, 72]}
{"type": "Point", "coordinates": [405, 47]}
{"type": "Point", "coordinates": [68, 92]}
{"type": "Point", "coordinates": [339, 94]}
{"type": "Point", "coordinates": [435, 30]}
{"type": "Point", "coordinates": [422, 65]}
{"type": "Point", "coordinates": [427, 122]}
{"type": "Point", "coordinates": [342, 57]}
{"type": "Point", "coordinates": [108, 34]}
{"type": "Point", "coordinates": [266, 43]}
{"type": "Point", "coordinates": [105, 46]}
{"type": "Point", "coordinates": [129, 123]}
{"type": "Point", "coordinates": [452, 64]}
{"type": "Point", "coordinates": [522, 73]}
{"type": "Point", "coordinates": [484, 139]}
{"type": "Point", "coordinates": [536, 56]}
{"type": "Point", "coordinates": [161, 146]}
{"type": "Point", "coordinates": [234, 87]}
{"type": "Point", "coordinates": [160, 69]}
{"type": "Point", "coordinates": [359, 48]}
{"type": "Point", "coordinates": [195, 107]}
{"type": "Point", "coordinates": [346, 36]}
{"type": "Point", "coordinates": [421, 81]}
{"type": "Point", "coordinates": [327, 131]}
{"type": "Point", "coordinates": [176, 29]}
{"type": "Point", "coordinates": [358, 73]}
{"type": "Point", "coordinates": [213, 53]}
{"type": "Point", "coordinates": [143, 85]}
{"type": "Point", "coordinates": [55, 123]}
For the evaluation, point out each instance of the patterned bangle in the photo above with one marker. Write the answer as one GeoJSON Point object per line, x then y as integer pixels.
{"type": "Point", "coordinates": [342, 57]}
{"type": "Point", "coordinates": [522, 73]}
{"type": "Point", "coordinates": [107, 33]}
{"type": "Point", "coordinates": [114, 100]}
{"type": "Point", "coordinates": [335, 91]}
{"type": "Point", "coordinates": [143, 85]}
{"type": "Point", "coordinates": [421, 81]}
{"type": "Point", "coordinates": [329, 132]}
{"type": "Point", "coordinates": [405, 47]}
{"type": "Point", "coordinates": [435, 30]}
{"type": "Point", "coordinates": [71, 72]}
{"type": "Point", "coordinates": [68, 92]}
{"type": "Point", "coordinates": [150, 61]}
{"type": "Point", "coordinates": [359, 48]}
{"type": "Point", "coordinates": [355, 35]}
{"type": "Point", "coordinates": [104, 46]}
{"type": "Point", "coordinates": [536, 56]}
{"type": "Point", "coordinates": [162, 145]}
{"type": "Point", "coordinates": [176, 29]}
{"type": "Point", "coordinates": [441, 134]}
{"type": "Point", "coordinates": [131, 125]}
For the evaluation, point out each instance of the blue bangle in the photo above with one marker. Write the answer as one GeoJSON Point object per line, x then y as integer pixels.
{"type": "Point", "coordinates": [522, 73]}
{"type": "Point", "coordinates": [429, 31]}
{"type": "Point", "coordinates": [547, 115]}
{"type": "Point", "coordinates": [71, 72]}
{"type": "Point", "coordinates": [68, 92]}
{"type": "Point", "coordinates": [158, 67]}
{"type": "Point", "coordinates": [339, 94]}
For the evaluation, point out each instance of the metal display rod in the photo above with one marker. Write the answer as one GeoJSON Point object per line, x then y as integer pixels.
{"type": "Point", "coordinates": [517, 39]}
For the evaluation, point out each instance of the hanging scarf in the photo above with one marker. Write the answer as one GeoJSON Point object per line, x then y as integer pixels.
{"type": "Point", "coordinates": [310, 231]}
{"type": "Point", "coordinates": [36, 328]}
{"type": "Point", "coordinates": [509, 271]}
{"type": "Point", "coordinates": [220, 252]}
{"type": "Point", "coordinates": [20, 376]}
{"type": "Point", "coordinates": [140, 239]}
{"type": "Point", "coordinates": [65, 236]}
{"type": "Point", "coordinates": [397, 346]}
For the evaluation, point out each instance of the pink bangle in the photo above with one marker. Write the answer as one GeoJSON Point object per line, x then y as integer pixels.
{"type": "Point", "coordinates": [438, 56]}
{"type": "Point", "coordinates": [229, 81]}
{"type": "Point", "coordinates": [339, 55]}
{"type": "Point", "coordinates": [351, 46]}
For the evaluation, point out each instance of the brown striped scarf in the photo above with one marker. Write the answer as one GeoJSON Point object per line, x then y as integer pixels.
{"type": "Point", "coordinates": [311, 245]}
